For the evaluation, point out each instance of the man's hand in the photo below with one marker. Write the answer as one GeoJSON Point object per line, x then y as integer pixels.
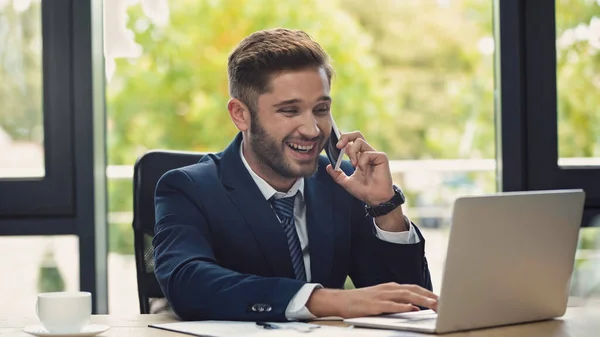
{"type": "Point", "coordinates": [380, 299]}
{"type": "Point", "coordinates": [371, 181]}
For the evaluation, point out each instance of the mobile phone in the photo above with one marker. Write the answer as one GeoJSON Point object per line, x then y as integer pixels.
{"type": "Point", "coordinates": [334, 154]}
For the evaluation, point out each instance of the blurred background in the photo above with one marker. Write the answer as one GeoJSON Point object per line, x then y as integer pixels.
{"type": "Point", "coordinates": [416, 77]}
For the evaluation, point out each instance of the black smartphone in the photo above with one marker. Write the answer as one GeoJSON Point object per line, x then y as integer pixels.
{"type": "Point", "coordinates": [334, 154]}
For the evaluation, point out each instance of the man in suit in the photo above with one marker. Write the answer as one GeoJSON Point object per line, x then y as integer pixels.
{"type": "Point", "coordinates": [267, 229]}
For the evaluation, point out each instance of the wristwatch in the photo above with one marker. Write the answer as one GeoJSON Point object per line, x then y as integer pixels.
{"type": "Point", "coordinates": [388, 206]}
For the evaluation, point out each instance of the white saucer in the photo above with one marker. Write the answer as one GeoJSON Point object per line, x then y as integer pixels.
{"type": "Point", "coordinates": [88, 330]}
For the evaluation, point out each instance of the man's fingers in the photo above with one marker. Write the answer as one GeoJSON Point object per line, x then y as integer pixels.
{"type": "Point", "coordinates": [391, 307]}
{"type": "Point", "coordinates": [411, 287]}
{"type": "Point", "coordinates": [363, 162]}
{"type": "Point", "coordinates": [420, 290]}
{"type": "Point", "coordinates": [370, 158]}
{"type": "Point", "coordinates": [406, 296]}
{"type": "Point", "coordinates": [356, 147]}
{"type": "Point", "coordinates": [349, 137]}
{"type": "Point", "coordinates": [338, 176]}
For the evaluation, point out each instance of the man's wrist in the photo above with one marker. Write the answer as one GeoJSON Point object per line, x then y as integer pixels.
{"type": "Point", "coordinates": [383, 208]}
{"type": "Point", "coordinates": [395, 221]}
{"type": "Point", "coordinates": [375, 202]}
{"type": "Point", "coordinates": [324, 302]}
{"type": "Point", "coordinates": [296, 308]}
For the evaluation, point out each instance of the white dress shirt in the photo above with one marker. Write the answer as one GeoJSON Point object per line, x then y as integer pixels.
{"type": "Point", "coordinates": [296, 309]}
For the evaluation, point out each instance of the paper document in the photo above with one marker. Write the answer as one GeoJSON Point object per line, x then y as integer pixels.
{"type": "Point", "coordinates": [288, 329]}
{"type": "Point", "coordinates": [236, 329]}
{"type": "Point", "coordinates": [329, 318]}
{"type": "Point", "coordinates": [341, 332]}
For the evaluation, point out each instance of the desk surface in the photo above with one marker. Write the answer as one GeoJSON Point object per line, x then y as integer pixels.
{"type": "Point", "coordinates": [577, 322]}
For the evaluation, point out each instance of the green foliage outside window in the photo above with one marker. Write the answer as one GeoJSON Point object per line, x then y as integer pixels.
{"type": "Point", "coordinates": [415, 77]}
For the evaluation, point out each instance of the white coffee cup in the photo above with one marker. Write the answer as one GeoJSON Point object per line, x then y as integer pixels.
{"type": "Point", "coordinates": [64, 312]}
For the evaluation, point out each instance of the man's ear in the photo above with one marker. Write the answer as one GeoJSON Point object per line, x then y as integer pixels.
{"type": "Point", "coordinates": [239, 113]}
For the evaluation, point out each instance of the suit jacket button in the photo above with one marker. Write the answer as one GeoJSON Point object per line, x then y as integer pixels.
{"type": "Point", "coordinates": [255, 307]}
{"type": "Point", "coordinates": [268, 308]}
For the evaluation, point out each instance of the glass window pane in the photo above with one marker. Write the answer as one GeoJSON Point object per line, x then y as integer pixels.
{"type": "Point", "coordinates": [420, 87]}
{"type": "Point", "coordinates": [585, 282]}
{"type": "Point", "coordinates": [578, 81]}
{"type": "Point", "coordinates": [21, 116]}
{"type": "Point", "coordinates": [34, 264]}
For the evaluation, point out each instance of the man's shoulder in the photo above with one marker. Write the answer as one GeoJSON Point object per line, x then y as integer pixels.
{"type": "Point", "coordinates": [205, 170]}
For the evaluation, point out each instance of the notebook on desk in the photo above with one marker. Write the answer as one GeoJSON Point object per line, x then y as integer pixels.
{"type": "Point", "coordinates": [510, 258]}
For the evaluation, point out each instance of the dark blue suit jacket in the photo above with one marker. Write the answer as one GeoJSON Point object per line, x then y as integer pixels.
{"type": "Point", "coordinates": [219, 249]}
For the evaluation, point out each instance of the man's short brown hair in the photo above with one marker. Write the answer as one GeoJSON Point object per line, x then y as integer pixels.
{"type": "Point", "coordinates": [266, 52]}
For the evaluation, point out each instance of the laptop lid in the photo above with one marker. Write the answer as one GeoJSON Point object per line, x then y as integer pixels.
{"type": "Point", "coordinates": [510, 258]}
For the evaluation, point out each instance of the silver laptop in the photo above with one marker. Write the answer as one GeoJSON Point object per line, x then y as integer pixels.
{"type": "Point", "coordinates": [510, 258]}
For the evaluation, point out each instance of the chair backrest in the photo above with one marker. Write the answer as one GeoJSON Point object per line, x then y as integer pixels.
{"type": "Point", "coordinates": [147, 171]}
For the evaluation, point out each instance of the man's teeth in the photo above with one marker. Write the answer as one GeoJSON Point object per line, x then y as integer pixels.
{"type": "Point", "coordinates": [301, 147]}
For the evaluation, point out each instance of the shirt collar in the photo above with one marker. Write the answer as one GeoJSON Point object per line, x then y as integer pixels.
{"type": "Point", "coordinates": [267, 190]}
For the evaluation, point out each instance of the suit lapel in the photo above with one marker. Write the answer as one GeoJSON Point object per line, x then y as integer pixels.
{"type": "Point", "coordinates": [257, 211]}
{"type": "Point", "coordinates": [320, 227]}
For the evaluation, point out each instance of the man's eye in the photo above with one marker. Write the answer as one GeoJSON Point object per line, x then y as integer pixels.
{"type": "Point", "coordinates": [323, 110]}
{"type": "Point", "coordinates": [288, 111]}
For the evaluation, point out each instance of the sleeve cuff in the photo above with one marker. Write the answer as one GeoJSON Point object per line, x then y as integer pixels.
{"type": "Point", "coordinates": [406, 237]}
{"type": "Point", "coordinates": [296, 309]}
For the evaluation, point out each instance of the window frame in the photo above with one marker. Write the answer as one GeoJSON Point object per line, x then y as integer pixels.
{"type": "Point", "coordinates": [527, 107]}
{"type": "Point", "coordinates": [72, 198]}
{"type": "Point", "coordinates": [53, 194]}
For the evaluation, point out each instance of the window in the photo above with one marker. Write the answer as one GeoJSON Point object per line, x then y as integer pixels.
{"type": "Point", "coordinates": [536, 91]}
{"type": "Point", "coordinates": [50, 100]}
{"type": "Point", "coordinates": [41, 264]}
{"type": "Point", "coordinates": [21, 115]}
{"type": "Point", "coordinates": [36, 153]}
{"type": "Point", "coordinates": [578, 81]}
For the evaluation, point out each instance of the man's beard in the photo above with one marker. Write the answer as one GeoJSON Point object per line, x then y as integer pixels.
{"type": "Point", "coordinates": [271, 154]}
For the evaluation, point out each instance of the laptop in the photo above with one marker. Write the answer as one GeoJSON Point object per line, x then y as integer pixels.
{"type": "Point", "coordinates": [510, 258]}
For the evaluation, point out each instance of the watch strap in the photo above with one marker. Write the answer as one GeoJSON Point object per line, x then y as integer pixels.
{"type": "Point", "coordinates": [388, 206]}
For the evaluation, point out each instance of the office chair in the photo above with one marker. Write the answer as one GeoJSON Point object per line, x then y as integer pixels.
{"type": "Point", "coordinates": [147, 171]}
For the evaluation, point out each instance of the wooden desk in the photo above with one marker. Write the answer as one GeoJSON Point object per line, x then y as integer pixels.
{"type": "Point", "coordinates": [577, 322]}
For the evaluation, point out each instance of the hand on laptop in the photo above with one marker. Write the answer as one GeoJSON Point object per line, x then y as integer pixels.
{"type": "Point", "coordinates": [380, 299]}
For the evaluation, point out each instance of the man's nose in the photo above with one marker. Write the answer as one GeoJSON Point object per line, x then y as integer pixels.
{"type": "Point", "coordinates": [310, 127]}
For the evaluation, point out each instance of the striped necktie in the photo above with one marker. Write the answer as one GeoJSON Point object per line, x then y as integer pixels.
{"type": "Point", "coordinates": [284, 207]}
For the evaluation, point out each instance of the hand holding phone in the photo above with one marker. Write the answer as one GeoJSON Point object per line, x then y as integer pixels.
{"type": "Point", "coordinates": [371, 181]}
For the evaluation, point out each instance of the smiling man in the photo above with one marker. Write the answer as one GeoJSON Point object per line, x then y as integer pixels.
{"type": "Point", "coordinates": [266, 229]}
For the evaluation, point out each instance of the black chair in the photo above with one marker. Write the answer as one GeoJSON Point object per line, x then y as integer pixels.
{"type": "Point", "coordinates": [147, 171]}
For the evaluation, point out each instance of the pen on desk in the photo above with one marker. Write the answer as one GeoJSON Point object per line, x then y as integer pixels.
{"type": "Point", "coordinates": [266, 325]}
{"type": "Point", "coordinates": [271, 326]}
